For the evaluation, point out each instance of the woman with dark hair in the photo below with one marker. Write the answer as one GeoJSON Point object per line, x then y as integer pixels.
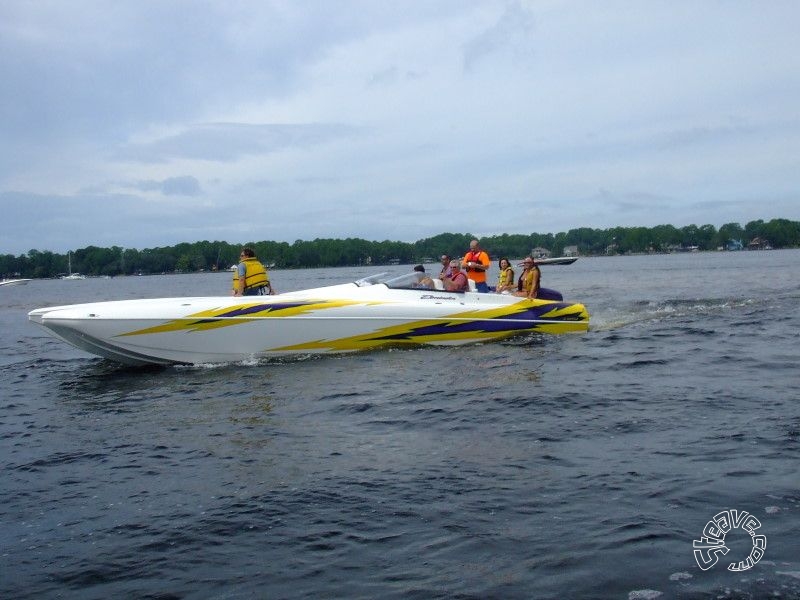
{"type": "Point", "coordinates": [424, 281]}
{"type": "Point", "coordinates": [528, 285]}
{"type": "Point", "coordinates": [505, 281]}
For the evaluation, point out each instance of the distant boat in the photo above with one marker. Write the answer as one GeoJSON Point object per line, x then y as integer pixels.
{"type": "Point", "coordinates": [14, 281]}
{"type": "Point", "coordinates": [559, 260]}
{"type": "Point", "coordinates": [71, 274]}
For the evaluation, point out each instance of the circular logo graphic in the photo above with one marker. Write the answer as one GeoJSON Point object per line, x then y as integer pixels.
{"type": "Point", "coordinates": [708, 548]}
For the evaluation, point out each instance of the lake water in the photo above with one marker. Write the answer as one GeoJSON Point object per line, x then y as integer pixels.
{"type": "Point", "coordinates": [579, 466]}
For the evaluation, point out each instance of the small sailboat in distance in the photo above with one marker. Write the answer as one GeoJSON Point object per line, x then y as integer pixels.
{"type": "Point", "coordinates": [71, 275]}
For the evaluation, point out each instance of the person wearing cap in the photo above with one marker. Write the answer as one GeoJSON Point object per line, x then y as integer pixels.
{"type": "Point", "coordinates": [457, 280]}
{"type": "Point", "coordinates": [528, 284]}
{"type": "Point", "coordinates": [476, 262]}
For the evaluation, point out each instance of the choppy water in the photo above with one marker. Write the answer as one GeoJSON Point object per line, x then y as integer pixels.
{"type": "Point", "coordinates": [577, 466]}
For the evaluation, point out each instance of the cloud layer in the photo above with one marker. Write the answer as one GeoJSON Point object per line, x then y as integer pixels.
{"type": "Point", "coordinates": [283, 120]}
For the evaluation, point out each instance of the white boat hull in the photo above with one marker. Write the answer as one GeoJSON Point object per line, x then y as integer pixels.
{"type": "Point", "coordinates": [558, 260]}
{"type": "Point", "coordinates": [343, 318]}
{"type": "Point", "coordinates": [10, 282]}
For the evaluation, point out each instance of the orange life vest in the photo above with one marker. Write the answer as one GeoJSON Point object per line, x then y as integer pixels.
{"type": "Point", "coordinates": [477, 275]}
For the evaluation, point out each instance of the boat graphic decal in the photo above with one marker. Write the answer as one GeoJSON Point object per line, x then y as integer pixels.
{"type": "Point", "coordinates": [522, 317]}
{"type": "Point", "coordinates": [242, 313]}
{"type": "Point", "coordinates": [468, 325]}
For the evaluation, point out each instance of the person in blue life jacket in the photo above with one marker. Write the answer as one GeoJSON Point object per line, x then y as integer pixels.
{"type": "Point", "coordinates": [250, 277]}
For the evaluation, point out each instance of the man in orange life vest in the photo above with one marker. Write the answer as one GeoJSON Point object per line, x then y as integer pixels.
{"type": "Point", "coordinates": [476, 262]}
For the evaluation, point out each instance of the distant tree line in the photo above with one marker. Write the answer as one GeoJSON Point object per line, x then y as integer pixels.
{"type": "Point", "coordinates": [211, 256]}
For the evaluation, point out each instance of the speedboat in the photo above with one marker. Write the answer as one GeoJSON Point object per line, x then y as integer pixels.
{"type": "Point", "coordinates": [374, 312]}
{"type": "Point", "coordinates": [558, 260]}
{"type": "Point", "coordinates": [14, 281]}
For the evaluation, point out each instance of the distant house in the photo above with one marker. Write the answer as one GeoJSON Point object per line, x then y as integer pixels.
{"type": "Point", "coordinates": [570, 251]}
{"type": "Point", "coordinates": [759, 243]}
{"type": "Point", "coordinates": [540, 252]}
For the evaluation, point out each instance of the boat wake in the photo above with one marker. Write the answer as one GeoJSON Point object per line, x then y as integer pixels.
{"type": "Point", "coordinates": [643, 312]}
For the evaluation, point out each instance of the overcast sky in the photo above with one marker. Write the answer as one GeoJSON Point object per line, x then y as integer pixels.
{"type": "Point", "coordinates": [149, 123]}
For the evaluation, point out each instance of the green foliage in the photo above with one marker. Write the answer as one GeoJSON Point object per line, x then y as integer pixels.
{"type": "Point", "coordinates": [329, 252]}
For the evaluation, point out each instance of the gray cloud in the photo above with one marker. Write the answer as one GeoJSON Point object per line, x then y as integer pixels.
{"type": "Point", "coordinates": [229, 141]}
{"type": "Point", "coordinates": [149, 62]}
{"type": "Point", "coordinates": [181, 186]}
{"type": "Point", "coordinates": [392, 75]}
{"type": "Point", "coordinates": [390, 120]}
{"type": "Point", "coordinates": [512, 32]}
{"type": "Point", "coordinates": [77, 221]}
{"type": "Point", "coordinates": [172, 186]}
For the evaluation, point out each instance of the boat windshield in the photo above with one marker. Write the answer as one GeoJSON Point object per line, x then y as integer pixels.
{"type": "Point", "coordinates": [372, 279]}
{"type": "Point", "coordinates": [404, 281]}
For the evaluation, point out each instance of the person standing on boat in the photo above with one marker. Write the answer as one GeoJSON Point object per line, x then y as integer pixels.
{"type": "Point", "coordinates": [477, 262]}
{"type": "Point", "coordinates": [528, 285]}
{"type": "Point", "coordinates": [456, 281]}
{"type": "Point", "coordinates": [250, 277]}
{"type": "Point", "coordinates": [505, 282]}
